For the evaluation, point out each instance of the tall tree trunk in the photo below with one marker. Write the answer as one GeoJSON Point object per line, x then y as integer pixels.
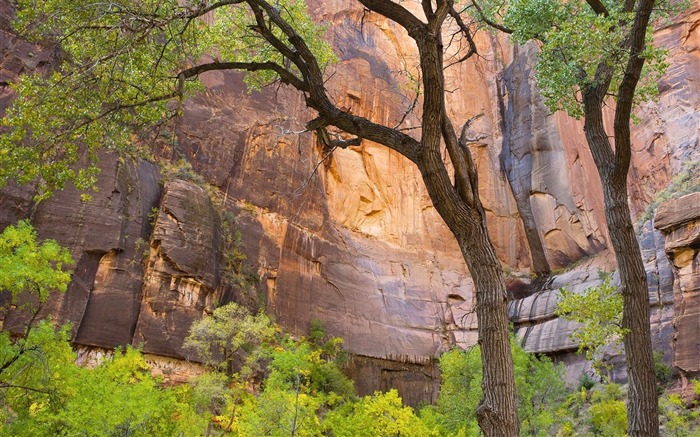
{"type": "Point", "coordinates": [496, 412]}
{"type": "Point", "coordinates": [456, 200]}
{"type": "Point", "coordinates": [642, 410]}
{"type": "Point", "coordinates": [613, 166]}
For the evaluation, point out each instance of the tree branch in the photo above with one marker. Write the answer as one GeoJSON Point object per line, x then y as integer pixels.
{"type": "Point", "coordinates": [467, 34]}
{"type": "Point", "coordinates": [395, 12]}
{"type": "Point", "coordinates": [630, 79]}
{"type": "Point", "coordinates": [24, 387]}
{"type": "Point", "coordinates": [285, 75]}
{"type": "Point", "coordinates": [598, 7]}
{"type": "Point", "coordinates": [490, 22]}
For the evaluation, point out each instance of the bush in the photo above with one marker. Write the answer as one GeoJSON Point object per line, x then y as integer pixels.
{"type": "Point", "coordinates": [609, 418]}
{"type": "Point", "coordinates": [663, 371]}
{"type": "Point", "coordinates": [599, 311]}
{"type": "Point", "coordinates": [381, 415]}
{"type": "Point", "coordinates": [539, 385]}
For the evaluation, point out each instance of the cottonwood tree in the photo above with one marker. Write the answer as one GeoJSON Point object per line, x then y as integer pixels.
{"type": "Point", "coordinates": [144, 54]}
{"type": "Point", "coordinates": [31, 360]}
{"type": "Point", "coordinates": [30, 271]}
{"type": "Point", "coordinates": [593, 56]}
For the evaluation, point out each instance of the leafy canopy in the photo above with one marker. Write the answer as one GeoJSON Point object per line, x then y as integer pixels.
{"type": "Point", "coordinates": [380, 415]}
{"type": "Point", "coordinates": [35, 374]}
{"type": "Point", "coordinates": [575, 42]}
{"type": "Point", "coordinates": [118, 397]}
{"type": "Point", "coordinates": [140, 56]}
{"type": "Point", "coordinates": [231, 336]}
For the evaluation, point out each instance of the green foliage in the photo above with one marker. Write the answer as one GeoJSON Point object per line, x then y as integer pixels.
{"type": "Point", "coordinates": [236, 272]}
{"type": "Point", "coordinates": [460, 390]}
{"type": "Point", "coordinates": [539, 385]}
{"type": "Point", "coordinates": [574, 42]}
{"type": "Point", "coordinates": [663, 370]}
{"type": "Point", "coordinates": [231, 336]}
{"type": "Point", "coordinates": [540, 390]}
{"type": "Point", "coordinates": [585, 381]}
{"type": "Point", "coordinates": [36, 373]}
{"type": "Point", "coordinates": [99, 93]}
{"type": "Point", "coordinates": [121, 397]}
{"type": "Point", "coordinates": [30, 266]}
{"type": "Point", "coordinates": [181, 169]}
{"type": "Point", "coordinates": [677, 419]}
{"type": "Point", "coordinates": [118, 397]}
{"type": "Point", "coordinates": [609, 418]}
{"type": "Point", "coordinates": [599, 311]}
{"type": "Point", "coordinates": [280, 413]}
{"type": "Point", "coordinates": [302, 384]}
{"type": "Point", "coordinates": [301, 365]}
{"type": "Point", "coordinates": [316, 331]}
{"type": "Point", "coordinates": [380, 415]}
{"type": "Point", "coordinates": [599, 411]}
{"type": "Point", "coordinates": [302, 379]}
{"type": "Point", "coordinates": [608, 413]}
{"type": "Point", "coordinates": [232, 36]}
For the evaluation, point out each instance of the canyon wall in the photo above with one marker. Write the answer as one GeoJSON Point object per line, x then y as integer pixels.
{"type": "Point", "coordinates": [352, 239]}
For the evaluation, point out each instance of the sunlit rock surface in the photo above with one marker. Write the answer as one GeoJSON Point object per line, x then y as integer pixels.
{"type": "Point", "coordinates": [679, 221]}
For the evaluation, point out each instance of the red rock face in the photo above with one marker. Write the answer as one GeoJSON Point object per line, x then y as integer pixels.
{"type": "Point", "coordinates": [679, 221]}
{"type": "Point", "coordinates": [667, 138]}
{"type": "Point", "coordinates": [352, 239]}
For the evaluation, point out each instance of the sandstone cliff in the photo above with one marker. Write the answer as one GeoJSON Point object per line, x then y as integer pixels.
{"type": "Point", "coordinates": [352, 239]}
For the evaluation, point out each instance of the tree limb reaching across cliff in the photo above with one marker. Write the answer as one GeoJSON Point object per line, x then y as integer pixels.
{"type": "Point", "coordinates": [152, 50]}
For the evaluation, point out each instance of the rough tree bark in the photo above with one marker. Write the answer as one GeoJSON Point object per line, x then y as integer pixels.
{"type": "Point", "coordinates": [456, 200]}
{"type": "Point", "coordinates": [454, 192]}
{"type": "Point", "coordinates": [613, 167]}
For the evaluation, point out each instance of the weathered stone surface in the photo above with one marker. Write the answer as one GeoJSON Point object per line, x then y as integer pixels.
{"type": "Point", "coordinates": [668, 137]}
{"type": "Point", "coordinates": [679, 220]}
{"type": "Point", "coordinates": [16, 56]}
{"type": "Point", "coordinates": [15, 203]}
{"type": "Point", "coordinates": [352, 239]}
{"type": "Point", "coordinates": [551, 183]}
{"type": "Point", "coordinates": [536, 324]}
{"type": "Point", "coordinates": [102, 301]}
{"type": "Point", "coordinates": [416, 383]}
{"type": "Point", "coordinates": [182, 269]}
{"type": "Point", "coordinates": [542, 332]}
{"type": "Point", "coordinates": [676, 212]}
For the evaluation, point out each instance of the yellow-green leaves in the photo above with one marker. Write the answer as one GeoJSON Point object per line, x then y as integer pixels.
{"type": "Point", "coordinates": [380, 415]}
{"type": "Point", "coordinates": [27, 265]}
{"type": "Point", "coordinates": [234, 37]}
{"type": "Point", "coordinates": [599, 311]}
{"type": "Point", "coordinates": [535, 19]}
{"type": "Point", "coordinates": [117, 66]}
{"type": "Point", "coordinates": [231, 334]}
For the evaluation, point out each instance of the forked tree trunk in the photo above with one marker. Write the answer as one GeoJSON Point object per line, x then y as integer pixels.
{"type": "Point", "coordinates": [456, 200]}
{"type": "Point", "coordinates": [496, 412]}
{"type": "Point", "coordinates": [642, 403]}
{"type": "Point", "coordinates": [613, 168]}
